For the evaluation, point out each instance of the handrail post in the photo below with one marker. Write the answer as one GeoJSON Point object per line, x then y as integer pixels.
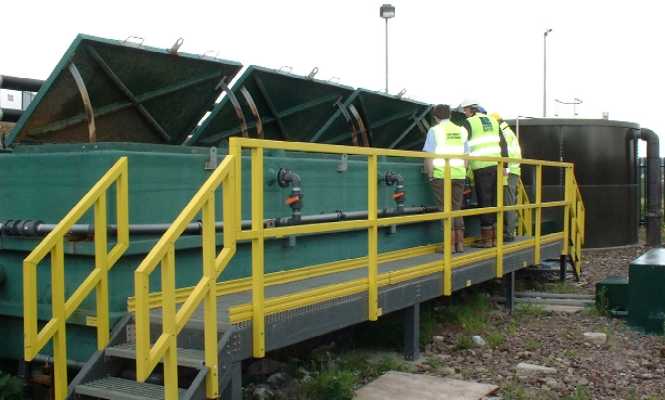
{"type": "Point", "coordinates": [539, 212]}
{"type": "Point", "coordinates": [210, 302]}
{"type": "Point", "coordinates": [567, 212]}
{"type": "Point", "coordinates": [58, 304]}
{"type": "Point", "coordinates": [499, 218]}
{"type": "Point", "coordinates": [258, 312]}
{"type": "Point", "coordinates": [372, 238]}
{"type": "Point", "coordinates": [101, 263]}
{"type": "Point", "coordinates": [168, 322]}
{"type": "Point", "coordinates": [447, 231]}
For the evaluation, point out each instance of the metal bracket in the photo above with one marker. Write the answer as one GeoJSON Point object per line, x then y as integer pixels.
{"type": "Point", "coordinates": [87, 104]}
{"type": "Point", "coordinates": [343, 164]}
{"type": "Point", "coordinates": [401, 93]}
{"type": "Point", "coordinates": [137, 44]}
{"type": "Point", "coordinates": [313, 73]}
{"type": "Point", "coordinates": [347, 117]}
{"type": "Point", "coordinates": [176, 46]}
{"type": "Point", "coordinates": [361, 125]}
{"type": "Point", "coordinates": [213, 161]}
{"type": "Point", "coordinates": [236, 105]}
{"type": "Point", "coordinates": [255, 111]}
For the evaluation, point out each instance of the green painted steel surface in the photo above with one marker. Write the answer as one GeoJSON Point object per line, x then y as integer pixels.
{"type": "Point", "coordinates": [612, 293]}
{"type": "Point", "coordinates": [290, 107]}
{"type": "Point", "coordinates": [293, 107]}
{"type": "Point", "coordinates": [43, 182]}
{"type": "Point", "coordinates": [646, 309]}
{"type": "Point", "coordinates": [138, 93]}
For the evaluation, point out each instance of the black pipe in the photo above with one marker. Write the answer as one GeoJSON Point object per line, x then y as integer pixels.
{"type": "Point", "coordinates": [286, 177]}
{"type": "Point", "coordinates": [37, 228]}
{"type": "Point", "coordinates": [21, 84]}
{"type": "Point", "coordinates": [392, 178]}
{"type": "Point", "coordinates": [10, 114]}
{"type": "Point", "coordinates": [654, 189]}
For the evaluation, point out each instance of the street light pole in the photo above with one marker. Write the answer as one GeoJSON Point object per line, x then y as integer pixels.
{"type": "Point", "coordinates": [386, 12]}
{"type": "Point", "coordinates": [545, 72]}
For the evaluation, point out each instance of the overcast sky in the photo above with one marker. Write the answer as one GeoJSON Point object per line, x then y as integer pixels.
{"type": "Point", "coordinates": [607, 53]}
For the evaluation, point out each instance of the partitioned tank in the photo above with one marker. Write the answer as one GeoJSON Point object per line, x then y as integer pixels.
{"type": "Point", "coordinates": [146, 104]}
{"type": "Point", "coordinates": [605, 157]}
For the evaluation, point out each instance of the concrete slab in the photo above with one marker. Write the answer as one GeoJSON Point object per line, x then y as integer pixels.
{"type": "Point", "coordinates": [403, 386]}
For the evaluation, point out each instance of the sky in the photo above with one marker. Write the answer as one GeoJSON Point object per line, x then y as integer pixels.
{"type": "Point", "coordinates": [609, 54]}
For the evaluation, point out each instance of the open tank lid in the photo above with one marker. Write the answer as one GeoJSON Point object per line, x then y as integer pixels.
{"type": "Point", "coordinates": [137, 94]}
{"type": "Point", "coordinates": [271, 104]}
{"type": "Point", "coordinates": [282, 106]}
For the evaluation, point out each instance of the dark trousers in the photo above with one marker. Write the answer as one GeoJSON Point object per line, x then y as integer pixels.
{"type": "Point", "coordinates": [485, 179]}
{"type": "Point", "coordinates": [457, 197]}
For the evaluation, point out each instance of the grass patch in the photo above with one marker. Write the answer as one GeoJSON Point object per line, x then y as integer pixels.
{"type": "Point", "coordinates": [11, 387]}
{"type": "Point", "coordinates": [495, 339]}
{"type": "Point", "coordinates": [463, 342]}
{"type": "Point", "coordinates": [533, 344]}
{"type": "Point", "coordinates": [471, 315]}
{"type": "Point", "coordinates": [561, 287]}
{"type": "Point", "coordinates": [514, 391]}
{"type": "Point", "coordinates": [523, 310]}
{"type": "Point", "coordinates": [332, 384]}
{"type": "Point", "coordinates": [581, 393]}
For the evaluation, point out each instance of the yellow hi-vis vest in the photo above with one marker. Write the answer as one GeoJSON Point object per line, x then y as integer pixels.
{"type": "Point", "coordinates": [514, 149]}
{"type": "Point", "coordinates": [485, 140]}
{"type": "Point", "coordinates": [450, 139]}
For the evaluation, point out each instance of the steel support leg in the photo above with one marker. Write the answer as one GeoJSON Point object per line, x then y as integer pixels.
{"type": "Point", "coordinates": [509, 284]}
{"type": "Point", "coordinates": [412, 332]}
{"type": "Point", "coordinates": [233, 391]}
{"type": "Point", "coordinates": [563, 264]}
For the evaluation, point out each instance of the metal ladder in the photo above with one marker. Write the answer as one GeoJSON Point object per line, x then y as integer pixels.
{"type": "Point", "coordinates": [111, 373]}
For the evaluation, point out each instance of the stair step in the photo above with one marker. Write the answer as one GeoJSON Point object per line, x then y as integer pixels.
{"type": "Point", "coordinates": [186, 357]}
{"type": "Point", "coordinates": [122, 389]}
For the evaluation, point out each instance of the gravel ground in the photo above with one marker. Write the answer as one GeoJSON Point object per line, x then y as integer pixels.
{"type": "Point", "coordinates": [628, 366]}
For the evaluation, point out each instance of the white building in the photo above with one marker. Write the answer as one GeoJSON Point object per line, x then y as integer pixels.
{"type": "Point", "coordinates": [15, 99]}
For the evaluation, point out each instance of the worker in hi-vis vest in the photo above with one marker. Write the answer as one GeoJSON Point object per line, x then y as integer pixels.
{"type": "Point", "coordinates": [485, 140]}
{"type": "Point", "coordinates": [447, 138]}
{"type": "Point", "coordinates": [510, 181]}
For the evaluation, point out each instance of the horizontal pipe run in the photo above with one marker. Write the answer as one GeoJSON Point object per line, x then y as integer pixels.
{"type": "Point", "coordinates": [10, 114]}
{"type": "Point", "coordinates": [37, 228]}
{"type": "Point", "coordinates": [21, 84]}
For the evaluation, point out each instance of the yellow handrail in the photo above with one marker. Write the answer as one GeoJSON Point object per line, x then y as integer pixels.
{"type": "Point", "coordinates": [258, 233]}
{"type": "Point", "coordinates": [165, 347]}
{"type": "Point", "coordinates": [228, 175]}
{"type": "Point", "coordinates": [524, 223]}
{"type": "Point", "coordinates": [62, 307]}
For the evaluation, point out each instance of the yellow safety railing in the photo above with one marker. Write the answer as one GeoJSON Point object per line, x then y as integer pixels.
{"type": "Point", "coordinates": [62, 307]}
{"type": "Point", "coordinates": [259, 307]}
{"type": "Point", "coordinates": [228, 176]}
{"type": "Point", "coordinates": [577, 221]}
{"type": "Point", "coordinates": [148, 355]}
{"type": "Point", "coordinates": [524, 221]}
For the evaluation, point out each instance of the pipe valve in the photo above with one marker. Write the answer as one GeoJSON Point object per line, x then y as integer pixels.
{"type": "Point", "coordinates": [286, 178]}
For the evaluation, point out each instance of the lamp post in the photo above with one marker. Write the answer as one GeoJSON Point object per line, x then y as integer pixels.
{"type": "Point", "coordinates": [387, 11]}
{"type": "Point", "coordinates": [545, 71]}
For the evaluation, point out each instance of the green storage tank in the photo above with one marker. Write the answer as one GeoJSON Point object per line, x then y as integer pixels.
{"type": "Point", "coordinates": [148, 105]}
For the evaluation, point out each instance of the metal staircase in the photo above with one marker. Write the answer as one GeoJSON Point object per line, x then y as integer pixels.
{"type": "Point", "coordinates": [111, 373]}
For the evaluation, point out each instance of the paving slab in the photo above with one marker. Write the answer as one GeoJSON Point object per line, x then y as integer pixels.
{"type": "Point", "coordinates": [404, 386]}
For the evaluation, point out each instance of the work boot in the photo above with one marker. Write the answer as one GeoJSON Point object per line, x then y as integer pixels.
{"type": "Point", "coordinates": [485, 241]}
{"type": "Point", "coordinates": [459, 240]}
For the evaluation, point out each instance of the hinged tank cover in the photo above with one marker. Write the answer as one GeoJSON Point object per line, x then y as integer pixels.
{"type": "Point", "coordinates": [282, 105]}
{"type": "Point", "coordinates": [137, 94]}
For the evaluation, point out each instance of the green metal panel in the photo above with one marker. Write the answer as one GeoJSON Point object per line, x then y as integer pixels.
{"type": "Point", "coordinates": [391, 122]}
{"type": "Point", "coordinates": [647, 282]}
{"type": "Point", "coordinates": [612, 293]}
{"type": "Point", "coordinates": [43, 182]}
{"type": "Point", "coordinates": [138, 94]}
{"type": "Point", "coordinates": [292, 107]}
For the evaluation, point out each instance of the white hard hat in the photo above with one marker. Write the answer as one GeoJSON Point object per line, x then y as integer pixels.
{"type": "Point", "coordinates": [468, 103]}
